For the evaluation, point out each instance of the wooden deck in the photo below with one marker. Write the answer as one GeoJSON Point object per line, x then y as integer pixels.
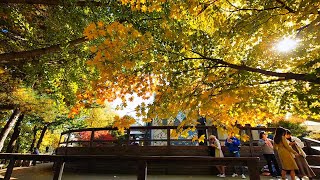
{"type": "Point", "coordinates": [164, 168]}
{"type": "Point", "coordinates": [141, 163]}
{"type": "Point", "coordinates": [44, 172]}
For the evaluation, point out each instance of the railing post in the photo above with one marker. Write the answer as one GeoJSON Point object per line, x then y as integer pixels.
{"type": "Point", "coordinates": [142, 170]}
{"type": "Point", "coordinates": [58, 169]}
{"type": "Point", "coordinates": [248, 130]}
{"type": "Point", "coordinates": [91, 138]}
{"type": "Point", "coordinates": [308, 146]}
{"type": "Point", "coordinates": [128, 136]}
{"type": "Point", "coordinates": [168, 136]}
{"type": "Point", "coordinates": [68, 138]}
{"type": "Point", "coordinates": [60, 140]}
{"type": "Point", "coordinates": [253, 169]}
{"type": "Point", "coordinates": [9, 168]}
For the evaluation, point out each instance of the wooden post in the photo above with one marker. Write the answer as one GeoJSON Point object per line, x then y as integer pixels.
{"type": "Point", "coordinates": [253, 170]}
{"type": "Point", "coordinates": [248, 130]}
{"type": "Point", "coordinates": [308, 147]}
{"type": "Point", "coordinates": [9, 169]}
{"type": "Point", "coordinates": [128, 137]}
{"type": "Point", "coordinates": [68, 138]}
{"type": "Point", "coordinates": [168, 137]}
{"type": "Point", "coordinates": [91, 138]}
{"type": "Point", "coordinates": [58, 170]}
{"type": "Point", "coordinates": [142, 170]}
{"type": "Point", "coordinates": [60, 140]}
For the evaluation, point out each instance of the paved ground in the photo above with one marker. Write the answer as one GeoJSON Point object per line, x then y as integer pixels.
{"type": "Point", "coordinates": [44, 172]}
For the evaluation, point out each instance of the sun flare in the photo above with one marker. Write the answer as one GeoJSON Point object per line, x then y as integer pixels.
{"type": "Point", "coordinates": [286, 45]}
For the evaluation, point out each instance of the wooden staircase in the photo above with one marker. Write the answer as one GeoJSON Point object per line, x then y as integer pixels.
{"type": "Point", "coordinates": [313, 150]}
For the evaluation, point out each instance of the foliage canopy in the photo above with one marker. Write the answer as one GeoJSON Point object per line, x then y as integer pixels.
{"type": "Point", "coordinates": [205, 58]}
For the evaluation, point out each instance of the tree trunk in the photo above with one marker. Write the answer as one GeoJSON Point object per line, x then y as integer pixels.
{"type": "Point", "coordinates": [43, 132]}
{"type": "Point", "coordinates": [6, 129]}
{"type": "Point", "coordinates": [7, 106]}
{"type": "Point", "coordinates": [23, 55]}
{"type": "Point", "coordinates": [15, 135]}
{"type": "Point", "coordinates": [18, 147]}
{"type": "Point", "coordinates": [35, 130]}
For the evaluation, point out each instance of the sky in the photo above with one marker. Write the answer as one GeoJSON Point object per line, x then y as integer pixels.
{"type": "Point", "coordinates": [129, 110]}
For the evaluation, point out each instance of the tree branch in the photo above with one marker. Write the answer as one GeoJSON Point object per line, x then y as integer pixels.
{"type": "Point", "coordinates": [287, 76]}
{"type": "Point", "coordinates": [286, 7]}
{"type": "Point", "coordinates": [8, 57]}
{"type": "Point", "coordinates": [55, 2]}
{"type": "Point", "coordinates": [7, 106]}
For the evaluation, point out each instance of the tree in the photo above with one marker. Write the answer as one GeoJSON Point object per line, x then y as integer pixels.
{"type": "Point", "coordinates": [213, 59]}
{"type": "Point", "coordinates": [294, 124]}
{"type": "Point", "coordinates": [209, 58]}
{"type": "Point", "coordinates": [99, 116]}
{"type": "Point", "coordinates": [9, 125]}
{"type": "Point", "coordinates": [15, 135]}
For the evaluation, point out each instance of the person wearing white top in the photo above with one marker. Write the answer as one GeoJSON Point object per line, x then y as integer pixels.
{"type": "Point", "coordinates": [214, 143]}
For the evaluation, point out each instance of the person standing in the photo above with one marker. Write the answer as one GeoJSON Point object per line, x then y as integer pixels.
{"type": "Point", "coordinates": [286, 153]}
{"type": "Point", "coordinates": [268, 153]}
{"type": "Point", "coordinates": [233, 145]}
{"type": "Point", "coordinates": [36, 152]}
{"type": "Point", "coordinates": [215, 149]}
{"type": "Point", "coordinates": [297, 145]}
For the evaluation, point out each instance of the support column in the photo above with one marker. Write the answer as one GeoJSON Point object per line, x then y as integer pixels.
{"type": "Point", "coordinates": [142, 170]}
{"type": "Point", "coordinates": [9, 169]}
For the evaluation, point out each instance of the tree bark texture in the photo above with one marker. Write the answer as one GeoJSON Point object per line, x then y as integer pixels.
{"type": "Point", "coordinates": [23, 55]}
{"type": "Point", "coordinates": [56, 2]}
{"type": "Point", "coordinates": [43, 132]}
{"type": "Point", "coordinates": [9, 125]}
{"type": "Point", "coordinates": [15, 135]}
{"type": "Point", "coordinates": [35, 130]}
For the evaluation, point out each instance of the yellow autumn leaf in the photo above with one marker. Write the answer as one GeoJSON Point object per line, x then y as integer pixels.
{"type": "Point", "coordinates": [245, 138]}
{"type": "Point", "coordinates": [194, 138]}
{"type": "Point", "coordinates": [201, 139]}
{"type": "Point", "coordinates": [185, 133]}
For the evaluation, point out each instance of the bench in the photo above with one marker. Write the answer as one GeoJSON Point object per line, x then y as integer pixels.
{"type": "Point", "coordinates": [1, 166]}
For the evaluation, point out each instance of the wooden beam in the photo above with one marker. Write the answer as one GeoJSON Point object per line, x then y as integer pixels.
{"type": "Point", "coordinates": [58, 170]}
{"type": "Point", "coordinates": [142, 170]}
{"type": "Point", "coordinates": [9, 169]}
{"type": "Point", "coordinates": [253, 170]}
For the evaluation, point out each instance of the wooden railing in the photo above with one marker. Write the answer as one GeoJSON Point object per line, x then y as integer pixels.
{"type": "Point", "coordinates": [145, 132]}
{"type": "Point", "coordinates": [147, 140]}
{"type": "Point", "coordinates": [312, 146]}
{"type": "Point", "coordinates": [142, 162]}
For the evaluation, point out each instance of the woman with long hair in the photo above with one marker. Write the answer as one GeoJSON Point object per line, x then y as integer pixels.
{"type": "Point", "coordinates": [217, 152]}
{"type": "Point", "coordinates": [286, 153]}
{"type": "Point", "coordinates": [297, 145]}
